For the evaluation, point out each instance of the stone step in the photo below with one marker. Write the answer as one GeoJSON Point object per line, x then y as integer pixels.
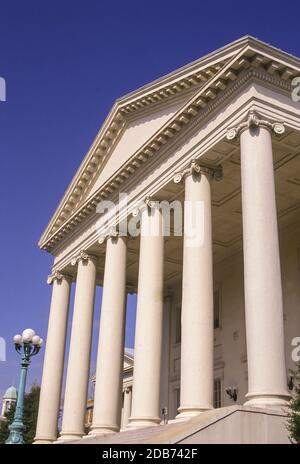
{"type": "Point", "coordinates": [157, 434]}
{"type": "Point", "coordinates": [232, 424]}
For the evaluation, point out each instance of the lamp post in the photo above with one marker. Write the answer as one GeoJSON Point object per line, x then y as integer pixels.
{"type": "Point", "coordinates": [27, 345]}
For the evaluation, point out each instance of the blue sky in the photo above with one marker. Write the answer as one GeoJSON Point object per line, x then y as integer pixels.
{"type": "Point", "coordinates": [65, 62]}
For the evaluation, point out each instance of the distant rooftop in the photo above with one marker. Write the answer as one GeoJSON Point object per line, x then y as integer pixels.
{"type": "Point", "coordinates": [129, 352]}
{"type": "Point", "coordinates": [10, 394]}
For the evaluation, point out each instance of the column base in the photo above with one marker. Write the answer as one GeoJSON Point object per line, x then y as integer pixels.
{"type": "Point", "coordinates": [141, 422]}
{"type": "Point", "coordinates": [103, 429]}
{"type": "Point", "coordinates": [268, 400]}
{"type": "Point", "coordinates": [124, 429]}
{"type": "Point", "coordinates": [187, 412]}
{"type": "Point", "coordinates": [69, 436]}
{"type": "Point", "coordinates": [44, 441]}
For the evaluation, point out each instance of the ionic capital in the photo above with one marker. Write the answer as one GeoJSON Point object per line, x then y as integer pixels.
{"type": "Point", "coordinates": [111, 233]}
{"type": "Point", "coordinates": [57, 275]}
{"type": "Point", "coordinates": [83, 256]}
{"type": "Point", "coordinates": [215, 172]}
{"type": "Point", "coordinates": [148, 203]}
{"type": "Point", "coordinates": [255, 120]}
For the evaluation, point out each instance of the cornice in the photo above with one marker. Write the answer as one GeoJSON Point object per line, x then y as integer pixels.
{"type": "Point", "coordinates": [224, 53]}
{"type": "Point", "coordinates": [110, 131]}
{"type": "Point", "coordinates": [223, 81]}
{"type": "Point", "coordinates": [88, 230]}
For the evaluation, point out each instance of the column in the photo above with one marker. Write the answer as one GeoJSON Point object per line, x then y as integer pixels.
{"type": "Point", "coordinates": [149, 322]}
{"type": "Point", "coordinates": [109, 374]}
{"type": "Point", "coordinates": [165, 361]}
{"type": "Point", "coordinates": [46, 431]}
{"type": "Point", "coordinates": [267, 377]}
{"type": "Point", "coordinates": [196, 384]}
{"type": "Point", "coordinates": [80, 347]}
{"type": "Point", "coordinates": [127, 406]}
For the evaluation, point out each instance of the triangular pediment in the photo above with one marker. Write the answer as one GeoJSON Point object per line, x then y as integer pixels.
{"type": "Point", "coordinates": [134, 135]}
{"type": "Point", "coordinates": [127, 364]}
{"type": "Point", "coordinates": [142, 122]}
{"type": "Point", "coordinates": [128, 358]}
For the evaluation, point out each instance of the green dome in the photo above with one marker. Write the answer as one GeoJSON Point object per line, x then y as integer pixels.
{"type": "Point", "coordinates": [10, 394]}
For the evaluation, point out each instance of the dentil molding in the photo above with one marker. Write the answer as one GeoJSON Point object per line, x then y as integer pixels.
{"type": "Point", "coordinates": [204, 106]}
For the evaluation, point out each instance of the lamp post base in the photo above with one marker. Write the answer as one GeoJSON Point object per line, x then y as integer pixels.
{"type": "Point", "coordinates": [16, 433]}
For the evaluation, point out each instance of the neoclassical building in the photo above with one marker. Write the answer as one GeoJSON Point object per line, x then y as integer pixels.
{"type": "Point", "coordinates": [218, 304]}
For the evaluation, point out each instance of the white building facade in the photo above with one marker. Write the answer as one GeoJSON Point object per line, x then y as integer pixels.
{"type": "Point", "coordinates": [220, 137]}
{"type": "Point", "coordinates": [9, 398]}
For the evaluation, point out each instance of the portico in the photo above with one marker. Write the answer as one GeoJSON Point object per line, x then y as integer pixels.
{"type": "Point", "coordinates": [220, 137]}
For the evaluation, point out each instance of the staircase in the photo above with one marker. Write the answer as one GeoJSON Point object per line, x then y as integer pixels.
{"type": "Point", "coordinates": [233, 424]}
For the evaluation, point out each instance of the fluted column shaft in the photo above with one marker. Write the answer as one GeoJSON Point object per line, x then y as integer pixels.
{"type": "Point", "coordinates": [46, 431]}
{"type": "Point", "coordinates": [267, 378]}
{"type": "Point", "coordinates": [80, 347]}
{"type": "Point", "coordinates": [196, 386]}
{"type": "Point", "coordinates": [149, 322]}
{"type": "Point", "coordinates": [165, 361]}
{"type": "Point", "coordinates": [108, 389]}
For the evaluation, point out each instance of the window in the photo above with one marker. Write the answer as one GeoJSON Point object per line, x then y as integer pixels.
{"type": "Point", "coordinates": [178, 325]}
{"type": "Point", "coordinates": [217, 309]}
{"type": "Point", "coordinates": [217, 393]}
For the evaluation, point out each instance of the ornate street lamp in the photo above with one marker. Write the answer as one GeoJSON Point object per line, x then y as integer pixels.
{"type": "Point", "coordinates": [27, 345]}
